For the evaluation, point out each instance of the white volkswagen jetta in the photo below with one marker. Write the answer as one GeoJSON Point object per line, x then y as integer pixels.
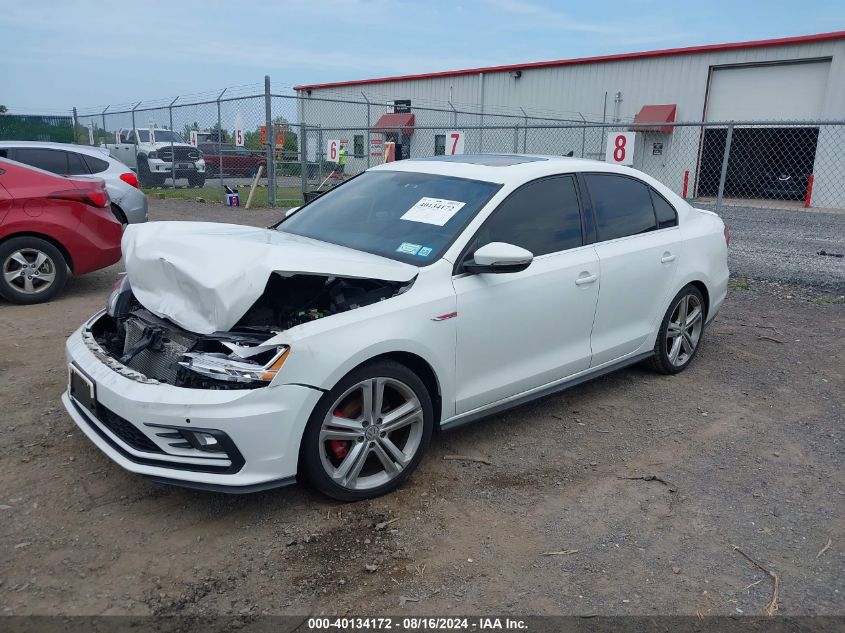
{"type": "Point", "coordinates": [421, 294]}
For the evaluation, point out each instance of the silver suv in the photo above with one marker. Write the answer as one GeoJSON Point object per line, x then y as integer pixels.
{"type": "Point", "coordinates": [129, 204]}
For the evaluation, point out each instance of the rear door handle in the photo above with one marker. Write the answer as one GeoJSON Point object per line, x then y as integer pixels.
{"type": "Point", "coordinates": [585, 279]}
{"type": "Point", "coordinates": [667, 257]}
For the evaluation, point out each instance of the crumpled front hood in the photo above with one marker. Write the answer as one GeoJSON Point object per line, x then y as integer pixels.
{"type": "Point", "coordinates": [204, 276]}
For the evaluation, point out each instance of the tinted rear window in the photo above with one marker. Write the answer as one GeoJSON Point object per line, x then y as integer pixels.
{"type": "Point", "coordinates": [622, 206]}
{"type": "Point", "coordinates": [96, 165]}
{"type": "Point", "coordinates": [75, 165]}
{"type": "Point", "coordinates": [51, 160]}
{"type": "Point", "coordinates": [665, 212]}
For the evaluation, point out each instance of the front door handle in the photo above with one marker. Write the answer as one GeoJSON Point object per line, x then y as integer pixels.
{"type": "Point", "coordinates": [585, 279]}
{"type": "Point", "coordinates": [667, 257]}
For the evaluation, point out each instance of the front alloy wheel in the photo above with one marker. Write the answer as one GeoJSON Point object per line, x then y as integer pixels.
{"type": "Point", "coordinates": [32, 269]}
{"type": "Point", "coordinates": [680, 332]}
{"type": "Point", "coordinates": [368, 434]}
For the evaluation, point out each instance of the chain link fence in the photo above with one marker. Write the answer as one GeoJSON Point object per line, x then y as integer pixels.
{"type": "Point", "coordinates": [286, 138]}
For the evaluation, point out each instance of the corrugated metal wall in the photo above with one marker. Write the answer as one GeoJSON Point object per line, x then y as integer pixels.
{"type": "Point", "coordinates": [565, 91]}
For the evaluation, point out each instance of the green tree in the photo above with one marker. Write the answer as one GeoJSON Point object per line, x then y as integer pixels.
{"type": "Point", "coordinates": [189, 128]}
{"type": "Point", "coordinates": [3, 109]}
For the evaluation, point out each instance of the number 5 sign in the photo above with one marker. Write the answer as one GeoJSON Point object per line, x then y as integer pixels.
{"type": "Point", "coordinates": [332, 148]}
{"type": "Point", "coordinates": [620, 148]}
{"type": "Point", "coordinates": [239, 137]}
{"type": "Point", "coordinates": [454, 143]}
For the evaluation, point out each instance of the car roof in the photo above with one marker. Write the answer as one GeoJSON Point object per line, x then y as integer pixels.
{"type": "Point", "coordinates": [88, 150]}
{"type": "Point", "coordinates": [503, 168]}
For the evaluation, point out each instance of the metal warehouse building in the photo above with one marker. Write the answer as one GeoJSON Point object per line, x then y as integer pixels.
{"type": "Point", "coordinates": [772, 82]}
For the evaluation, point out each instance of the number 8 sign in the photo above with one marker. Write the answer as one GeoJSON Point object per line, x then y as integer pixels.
{"type": "Point", "coordinates": [620, 148]}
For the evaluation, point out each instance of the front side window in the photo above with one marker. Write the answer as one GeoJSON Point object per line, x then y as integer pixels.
{"type": "Point", "coordinates": [542, 217]}
{"type": "Point", "coordinates": [406, 216]}
{"type": "Point", "coordinates": [439, 144]}
{"type": "Point", "coordinates": [622, 206]}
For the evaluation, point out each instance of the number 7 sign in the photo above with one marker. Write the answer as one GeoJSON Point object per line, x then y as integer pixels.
{"type": "Point", "coordinates": [454, 143]}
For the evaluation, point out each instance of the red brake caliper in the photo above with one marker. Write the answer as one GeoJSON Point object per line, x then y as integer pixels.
{"type": "Point", "coordinates": [339, 448]}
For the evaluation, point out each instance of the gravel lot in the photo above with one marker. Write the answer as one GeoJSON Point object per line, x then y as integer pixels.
{"type": "Point", "coordinates": [782, 245]}
{"type": "Point", "coordinates": [748, 443]}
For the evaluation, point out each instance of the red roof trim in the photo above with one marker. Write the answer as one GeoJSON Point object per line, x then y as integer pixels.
{"type": "Point", "coordinates": [783, 41]}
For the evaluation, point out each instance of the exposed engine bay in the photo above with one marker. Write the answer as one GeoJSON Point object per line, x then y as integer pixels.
{"type": "Point", "coordinates": [239, 358]}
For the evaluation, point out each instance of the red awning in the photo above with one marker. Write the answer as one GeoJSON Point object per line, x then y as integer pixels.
{"type": "Point", "coordinates": [394, 122]}
{"type": "Point", "coordinates": [656, 114]}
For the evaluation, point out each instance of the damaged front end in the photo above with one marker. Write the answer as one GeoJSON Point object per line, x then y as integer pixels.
{"type": "Point", "coordinates": [137, 343]}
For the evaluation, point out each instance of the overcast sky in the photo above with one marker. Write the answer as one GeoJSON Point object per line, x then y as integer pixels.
{"type": "Point", "coordinates": [57, 54]}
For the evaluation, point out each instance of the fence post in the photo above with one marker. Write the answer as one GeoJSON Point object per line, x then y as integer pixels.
{"type": "Point", "coordinates": [525, 134]}
{"type": "Point", "coordinates": [271, 144]}
{"type": "Point", "coordinates": [75, 125]}
{"type": "Point", "coordinates": [515, 139]}
{"type": "Point", "coordinates": [220, 136]}
{"type": "Point", "coordinates": [303, 157]}
{"type": "Point", "coordinates": [134, 136]}
{"type": "Point", "coordinates": [454, 115]}
{"type": "Point", "coordinates": [583, 134]}
{"type": "Point", "coordinates": [367, 147]}
{"type": "Point", "coordinates": [172, 152]}
{"type": "Point", "coordinates": [320, 156]}
{"type": "Point", "coordinates": [724, 173]}
{"type": "Point", "coordinates": [104, 118]}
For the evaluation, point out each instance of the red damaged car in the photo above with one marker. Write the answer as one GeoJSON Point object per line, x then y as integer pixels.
{"type": "Point", "coordinates": [49, 226]}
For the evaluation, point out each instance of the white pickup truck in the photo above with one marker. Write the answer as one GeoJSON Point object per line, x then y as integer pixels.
{"type": "Point", "coordinates": [155, 153]}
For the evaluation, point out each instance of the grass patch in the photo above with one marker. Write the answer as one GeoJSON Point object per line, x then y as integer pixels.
{"type": "Point", "coordinates": [285, 196]}
{"type": "Point", "coordinates": [738, 284]}
{"type": "Point", "coordinates": [829, 300]}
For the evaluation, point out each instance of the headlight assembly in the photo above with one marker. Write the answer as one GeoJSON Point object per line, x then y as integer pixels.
{"type": "Point", "coordinates": [232, 368]}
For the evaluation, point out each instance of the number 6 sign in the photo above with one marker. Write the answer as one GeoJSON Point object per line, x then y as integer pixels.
{"type": "Point", "coordinates": [454, 143]}
{"type": "Point", "coordinates": [332, 148]}
{"type": "Point", "coordinates": [620, 148]}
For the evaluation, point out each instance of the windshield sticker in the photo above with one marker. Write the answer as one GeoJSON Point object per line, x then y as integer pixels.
{"type": "Point", "coordinates": [425, 251]}
{"type": "Point", "coordinates": [435, 211]}
{"type": "Point", "coordinates": [408, 248]}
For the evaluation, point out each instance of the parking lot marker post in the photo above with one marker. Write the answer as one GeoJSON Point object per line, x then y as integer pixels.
{"type": "Point", "coordinates": [367, 146]}
{"type": "Point", "coordinates": [809, 196]}
{"type": "Point", "coordinates": [134, 135]}
{"type": "Point", "coordinates": [303, 156]}
{"type": "Point", "coordinates": [724, 173]}
{"type": "Point", "coordinates": [686, 184]}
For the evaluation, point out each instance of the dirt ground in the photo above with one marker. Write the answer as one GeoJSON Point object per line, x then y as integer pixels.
{"type": "Point", "coordinates": [747, 445]}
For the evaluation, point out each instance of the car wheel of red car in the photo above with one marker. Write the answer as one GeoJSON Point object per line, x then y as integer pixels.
{"type": "Point", "coordinates": [32, 270]}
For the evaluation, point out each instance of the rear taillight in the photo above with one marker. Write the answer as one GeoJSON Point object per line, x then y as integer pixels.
{"type": "Point", "coordinates": [94, 197]}
{"type": "Point", "coordinates": [727, 235]}
{"type": "Point", "coordinates": [130, 179]}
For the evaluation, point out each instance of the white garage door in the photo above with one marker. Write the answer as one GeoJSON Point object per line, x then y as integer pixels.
{"type": "Point", "coordinates": [772, 92]}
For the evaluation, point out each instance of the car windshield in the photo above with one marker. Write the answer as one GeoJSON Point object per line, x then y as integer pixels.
{"type": "Point", "coordinates": [161, 136]}
{"type": "Point", "coordinates": [406, 216]}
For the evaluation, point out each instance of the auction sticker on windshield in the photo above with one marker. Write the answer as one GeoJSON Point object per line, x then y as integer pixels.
{"type": "Point", "coordinates": [433, 211]}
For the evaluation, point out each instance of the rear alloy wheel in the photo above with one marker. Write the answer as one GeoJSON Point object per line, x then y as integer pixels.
{"type": "Point", "coordinates": [368, 434]}
{"type": "Point", "coordinates": [31, 270]}
{"type": "Point", "coordinates": [680, 332]}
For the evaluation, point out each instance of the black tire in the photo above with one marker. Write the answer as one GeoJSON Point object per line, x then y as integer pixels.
{"type": "Point", "coordinates": [55, 263]}
{"type": "Point", "coordinates": [311, 467]}
{"type": "Point", "coordinates": [196, 181]}
{"type": "Point", "coordinates": [662, 361]}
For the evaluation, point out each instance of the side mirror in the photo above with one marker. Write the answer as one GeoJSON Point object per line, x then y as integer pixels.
{"type": "Point", "coordinates": [290, 212]}
{"type": "Point", "coordinates": [499, 257]}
